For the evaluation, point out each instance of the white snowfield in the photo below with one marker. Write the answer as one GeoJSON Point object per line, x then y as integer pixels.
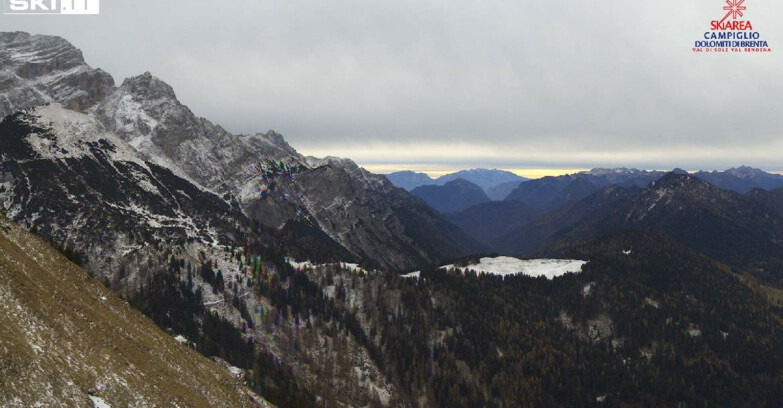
{"type": "Point", "coordinates": [506, 265]}
{"type": "Point", "coordinates": [99, 402]}
{"type": "Point", "coordinates": [501, 266]}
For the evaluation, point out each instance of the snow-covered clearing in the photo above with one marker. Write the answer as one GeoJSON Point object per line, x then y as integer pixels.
{"type": "Point", "coordinates": [505, 265]}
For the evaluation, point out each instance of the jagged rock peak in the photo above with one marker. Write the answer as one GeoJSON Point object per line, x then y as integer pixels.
{"type": "Point", "coordinates": [330, 161]}
{"type": "Point", "coordinates": [149, 87]}
{"type": "Point", "coordinates": [606, 171]}
{"type": "Point", "coordinates": [271, 137]}
{"type": "Point", "coordinates": [685, 183]}
{"type": "Point", "coordinates": [44, 51]}
{"type": "Point", "coordinates": [275, 138]}
{"type": "Point", "coordinates": [40, 69]}
{"type": "Point", "coordinates": [745, 171]}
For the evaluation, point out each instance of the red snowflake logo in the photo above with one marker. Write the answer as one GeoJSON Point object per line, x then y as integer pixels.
{"type": "Point", "coordinates": [734, 9]}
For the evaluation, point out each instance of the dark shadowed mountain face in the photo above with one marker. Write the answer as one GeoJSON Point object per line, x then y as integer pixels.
{"type": "Point", "coordinates": [720, 223]}
{"type": "Point", "coordinates": [410, 180]}
{"type": "Point", "coordinates": [549, 193]}
{"type": "Point", "coordinates": [501, 191]}
{"type": "Point", "coordinates": [383, 225]}
{"type": "Point", "coordinates": [536, 236]}
{"type": "Point", "coordinates": [453, 196]}
{"type": "Point", "coordinates": [489, 221]}
{"type": "Point", "coordinates": [745, 231]}
{"type": "Point", "coordinates": [742, 179]}
{"type": "Point", "coordinates": [484, 178]}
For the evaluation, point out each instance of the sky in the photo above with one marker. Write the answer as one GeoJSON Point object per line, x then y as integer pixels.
{"type": "Point", "coordinates": [440, 85]}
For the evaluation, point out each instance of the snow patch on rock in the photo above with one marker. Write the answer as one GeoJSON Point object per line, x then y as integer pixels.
{"type": "Point", "coordinates": [99, 402]}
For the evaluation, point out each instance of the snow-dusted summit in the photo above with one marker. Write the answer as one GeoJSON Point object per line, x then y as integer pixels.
{"type": "Point", "coordinates": [309, 200]}
{"type": "Point", "coordinates": [39, 69]}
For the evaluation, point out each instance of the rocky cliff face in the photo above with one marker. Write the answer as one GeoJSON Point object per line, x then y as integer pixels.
{"type": "Point", "coordinates": [261, 174]}
{"type": "Point", "coordinates": [182, 254]}
{"type": "Point", "coordinates": [274, 184]}
{"type": "Point", "coordinates": [145, 112]}
{"type": "Point", "coordinates": [36, 69]}
{"type": "Point", "coordinates": [376, 220]}
{"type": "Point", "coordinates": [64, 175]}
{"type": "Point", "coordinates": [171, 211]}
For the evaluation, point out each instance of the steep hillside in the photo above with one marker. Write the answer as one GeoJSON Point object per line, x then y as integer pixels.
{"type": "Point", "coordinates": [489, 221]}
{"type": "Point", "coordinates": [35, 70]}
{"type": "Point", "coordinates": [550, 193]}
{"type": "Point", "coordinates": [658, 326]}
{"type": "Point", "coordinates": [742, 230]}
{"type": "Point", "coordinates": [275, 185]}
{"type": "Point", "coordinates": [409, 180]}
{"type": "Point", "coordinates": [67, 341]}
{"type": "Point", "coordinates": [64, 175]}
{"type": "Point", "coordinates": [453, 196]}
{"type": "Point", "coordinates": [258, 172]}
{"type": "Point", "coordinates": [501, 191]}
{"type": "Point", "coordinates": [186, 258]}
{"type": "Point", "coordinates": [741, 179]}
{"type": "Point", "coordinates": [535, 237]}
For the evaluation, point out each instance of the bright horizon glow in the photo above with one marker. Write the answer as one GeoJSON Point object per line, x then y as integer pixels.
{"type": "Point", "coordinates": [436, 171]}
{"type": "Point", "coordinates": [459, 83]}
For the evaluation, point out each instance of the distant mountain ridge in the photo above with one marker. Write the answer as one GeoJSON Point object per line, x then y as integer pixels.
{"type": "Point", "coordinates": [260, 175]}
{"type": "Point", "coordinates": [202, 230]}
{"type": "Point", "coordinates": [180, 217]}
{"type": "Point", "coordinates": [409, 180]}
{"type": "Point", "coordinates": [745, 231]}
{"type": "Point", "coordinates": [484, 178]}
{"type": "Point", "coordinates": [492, 220]}
{"type": "Point", "coordinates": [742, 179]}
{"type": "Point", "coordinates": [455, 195]}
{"type": "Point", "coordinates": [550, 193]}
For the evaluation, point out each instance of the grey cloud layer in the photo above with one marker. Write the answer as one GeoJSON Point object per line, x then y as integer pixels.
{"type": "Point", "coordinates": [556, 82]}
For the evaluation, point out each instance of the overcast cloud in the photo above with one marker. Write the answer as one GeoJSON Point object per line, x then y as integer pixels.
{"type": "Point", "coordinates": [457, 83]}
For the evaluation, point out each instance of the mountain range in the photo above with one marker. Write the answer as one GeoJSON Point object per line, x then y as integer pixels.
{"type": "Point", "coordinates": [285, 270]}
{"type": "Point", "coordinates": [554, 194]}
{"type": "Point", "coordinates": [181, 218]}
{"type": "Point", "coordinates": [484, 178]}
{"type": "Point", "coordinates": [260, 175]}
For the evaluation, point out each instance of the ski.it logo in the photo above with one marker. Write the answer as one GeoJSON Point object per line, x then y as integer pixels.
{"type": "Point", "coordinates": [732, 33]}
{"type": "Point", "coordinates": [39, 7]}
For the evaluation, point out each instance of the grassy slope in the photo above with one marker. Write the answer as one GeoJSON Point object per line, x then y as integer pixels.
{"type": "Point", "coordinates": [64, 335]}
